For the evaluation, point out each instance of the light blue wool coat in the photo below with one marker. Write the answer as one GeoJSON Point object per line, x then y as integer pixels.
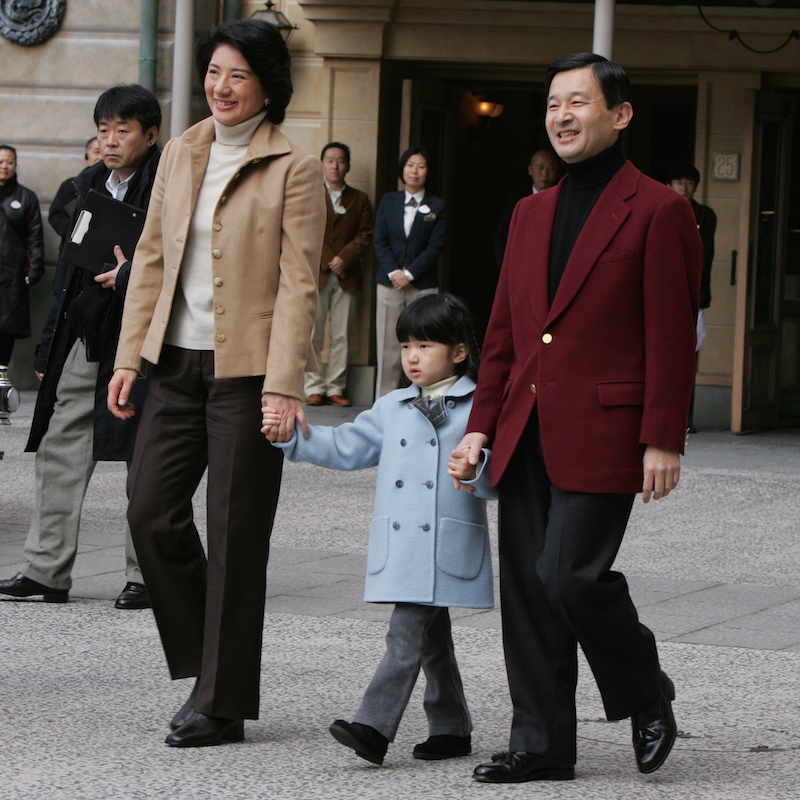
{"type": "Point", "coordinates": [428, 543]}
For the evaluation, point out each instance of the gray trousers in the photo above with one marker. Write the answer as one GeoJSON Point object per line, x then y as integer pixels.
{"type": "Point", "coordinates": [63, 467]}
{"type": "Point", "coordinates": [418, 637]}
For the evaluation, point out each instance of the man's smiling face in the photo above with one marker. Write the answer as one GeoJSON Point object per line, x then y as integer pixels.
{"type": "Point", "coordinates": [578, 121]}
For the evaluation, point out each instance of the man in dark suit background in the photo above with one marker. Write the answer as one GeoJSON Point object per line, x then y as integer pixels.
{"type": "Point", "coordinates": [410, 234]}
{"type": "Point", "coordinates": [543, 171]}
{"type": "Point", "coordinates": [584, 386]}
{"type": "Point", "coordinates": [348, 233]}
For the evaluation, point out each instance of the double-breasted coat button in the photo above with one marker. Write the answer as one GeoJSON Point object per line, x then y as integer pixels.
{"type": "Point", "coordinates": [429, 484]}
{"type": "Point", "coordinates": [403, 443]}
{"type": "Point", "coordinates": [220, 337]}
{"type": "Point", "coordinates": [451, 403]}
{"type": "Point", "coordinates": [547, 338]}
{"type": "Point", "coordinates": [217, 281]}
{"type": "Point", "coordinates": [398, 484]}
{"type": "Point", "coordinates": [216, 253]}
{"type": "Point", "coordinates": [425, 527]}
{"type": "Point", "coordinates": [396, 526]}
{"type": "Point", "coordinates": [433, 442]}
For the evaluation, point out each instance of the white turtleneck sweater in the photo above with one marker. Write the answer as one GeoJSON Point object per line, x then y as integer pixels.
{"type": "Point", "coordinates": [191, 324]}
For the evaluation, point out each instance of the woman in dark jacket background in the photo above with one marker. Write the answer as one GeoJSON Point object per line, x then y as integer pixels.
{"type": "Point", "coordinates": [21, 253]}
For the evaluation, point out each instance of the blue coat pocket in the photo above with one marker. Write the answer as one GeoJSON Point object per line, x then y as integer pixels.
{"type": "Point", "coordinates": [378, 550]}
{"type": "Point", "coordinates": [460, 548]}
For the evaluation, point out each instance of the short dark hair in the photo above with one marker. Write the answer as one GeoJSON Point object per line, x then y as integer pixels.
{"type": "Point", "coordinates": [339, 146]}
{"type": "Point", "coordinates": [684, 171]}
{"type": "Point", "coordinates": [129, 101]}
{"type": "Point", "coordinates": [10, 149]}
{"type": "Point", "coordinates": [442, 318]}
{"type": "Point", "coordinates": [613, 80]}
{"type": "Point", "coordinates": [263, 48]}
{"type": "Point", "coordinates": [414, 151]}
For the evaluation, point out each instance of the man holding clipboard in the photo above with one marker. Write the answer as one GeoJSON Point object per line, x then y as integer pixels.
{"type": "Point", "coordinates": [72, 428]}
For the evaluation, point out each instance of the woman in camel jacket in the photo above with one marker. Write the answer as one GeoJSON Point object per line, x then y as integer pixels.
{"type": "Point", "coordinates": [221, 302]}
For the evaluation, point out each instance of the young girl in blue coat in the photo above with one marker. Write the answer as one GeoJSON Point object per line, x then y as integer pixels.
{"type": "Point", "coordinates": [428, 544]}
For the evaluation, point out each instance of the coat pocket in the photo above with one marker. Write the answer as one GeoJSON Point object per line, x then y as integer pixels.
{"type": "Point", "coordinates": [460, 548]}
{"type": "Point", "coordinates": [378, 550]}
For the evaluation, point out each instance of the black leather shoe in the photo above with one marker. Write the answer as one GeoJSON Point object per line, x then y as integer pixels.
{"type": "Point", "coordinates": [366, 741]}
{"type": "Point", "coordinates": [443, 745]}
{"type": "Point", "coordinates": [186, 710]}
{"type": "Point", "coordinates": [134, 595]}
{"type": "Point", "coordinates": [202, 731]}
{"type": "Point", "coordinates": [520, 766]}
{"type": "Point", "coordinates": [653, 737]}
{"type": "Point", "coordinates": [20, 586]}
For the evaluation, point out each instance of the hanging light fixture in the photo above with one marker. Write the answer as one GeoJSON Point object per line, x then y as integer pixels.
{"type": "Point", "coordinates": [275, 18]}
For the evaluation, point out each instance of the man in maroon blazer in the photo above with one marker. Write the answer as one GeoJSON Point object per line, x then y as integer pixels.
{"type": "Point", "coordinates": [583, 393]}
{"type": "Point", "coordinates": [348, 233]}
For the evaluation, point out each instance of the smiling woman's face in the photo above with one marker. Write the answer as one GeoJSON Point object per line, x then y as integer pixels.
{"type": "Point", "coordinates": [233, 90]}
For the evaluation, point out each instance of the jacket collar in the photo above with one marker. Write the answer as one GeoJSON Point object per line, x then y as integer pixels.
{"type": "Point", "coordinates": [463, 387]}
{"type": "Point", "coordinates": [267, 140]}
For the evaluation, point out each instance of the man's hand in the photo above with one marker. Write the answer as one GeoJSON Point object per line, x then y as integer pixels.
{"type": "Point", "coordinates": [119, 390]}
{"type": "Point", "coordinates": [471, 444]}
{"type": "Point", "coordinates": [108, 280]}
{"type": "Point", "coordinates": [288, 410]}
{"type": "Point", "coordinates": [662, 469]}
{"type": "Point", "coordinates": [338, 266]}
{"type": "Point", "coordinates": [398, 279]}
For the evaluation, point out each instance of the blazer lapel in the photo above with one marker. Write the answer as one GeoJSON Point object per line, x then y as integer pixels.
{"type": "Point", "coordinates": [538, 228]}
{"type": "Point", "coordinates": [602, 225]}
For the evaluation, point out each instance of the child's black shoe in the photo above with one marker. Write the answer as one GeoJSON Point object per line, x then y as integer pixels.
{"type": "Point", "coordinates": [366, 741]}
{"type": "Point", "coordinates": [443, 746]}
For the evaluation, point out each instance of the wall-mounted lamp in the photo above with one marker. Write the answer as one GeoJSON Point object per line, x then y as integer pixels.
{"type": "Point", "coordinates": [484, 108]}
{"type": "Point", "coordinates": [275, 18]}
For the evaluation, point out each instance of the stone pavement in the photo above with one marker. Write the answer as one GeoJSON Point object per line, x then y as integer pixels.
{"type": "Point", "coordinates": [85, 696]}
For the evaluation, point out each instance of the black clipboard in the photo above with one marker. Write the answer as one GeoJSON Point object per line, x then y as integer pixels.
{"type": "Point", "coordinates": [102, 223]}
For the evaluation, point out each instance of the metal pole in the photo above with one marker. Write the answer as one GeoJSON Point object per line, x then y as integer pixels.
{"type": "Point", "coordinates": [232, 9]}
{"type": "Point", "coordinates": [148, 43]}
{"type": "Point", "coordinates": [603, 43]}
{"type": "Point", "coordinates": [182, 67]}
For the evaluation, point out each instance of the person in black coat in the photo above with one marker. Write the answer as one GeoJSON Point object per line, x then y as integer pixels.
{"type": "Point", "coordinates": [21, 253]}
{"type": "Point", "coordinates": [410, 235]}
{"type": "Point", "coordinates": [74, 361]}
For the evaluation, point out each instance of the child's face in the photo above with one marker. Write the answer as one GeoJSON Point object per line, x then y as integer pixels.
{"type": "Point", "coordinates": [425, 363]}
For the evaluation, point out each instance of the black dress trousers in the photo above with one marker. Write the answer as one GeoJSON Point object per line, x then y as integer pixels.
{"type": "Point", "coordinates": [209, 611]}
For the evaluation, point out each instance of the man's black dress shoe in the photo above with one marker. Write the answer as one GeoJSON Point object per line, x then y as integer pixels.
{"type": "Point", "coordinates": [654, 729]}
{"type": "Point", "coordinates": [134, 595]}
{"type": "Point", "coordinates": [366, 741]}
{"type": "Point", "coordinates": [520, 766]}
{"type": "Point", "coordinates": [186, 710]}
{"type": "Point", "coordinates": [443, 745]}
{"type": "Point", "coordinates": [20, 586]}
{"type": "Point", "coordinates": [202, 731]}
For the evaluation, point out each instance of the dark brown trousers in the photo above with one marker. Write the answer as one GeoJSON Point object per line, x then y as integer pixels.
{"type": "Point", "coordinates": [209, 610]}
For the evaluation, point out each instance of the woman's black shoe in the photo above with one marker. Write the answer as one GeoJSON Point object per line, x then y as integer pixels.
{"type": "Point", "coordinates": [202, 731]}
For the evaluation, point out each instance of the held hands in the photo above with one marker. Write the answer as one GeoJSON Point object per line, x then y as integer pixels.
{"type": "Point", "coordinates": [398, 279]}
{"type": "Point", "coordinates": [109, 279]}
{"type": "Point", "coordinates": [464, 459]}
{"type": "Point", "coordinates": [278, 415]}
{"type": "Point", "coordinates": [662, 469]}
{"type": "Point", "coordinates": [338, 266]}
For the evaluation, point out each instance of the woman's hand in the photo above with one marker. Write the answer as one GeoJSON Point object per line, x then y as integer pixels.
{"type": "Point", "coordinates": [287, 410]}
{"type": "Point", "coordinates": [119, 390]}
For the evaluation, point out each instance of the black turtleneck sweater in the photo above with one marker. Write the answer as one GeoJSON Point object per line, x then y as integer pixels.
{"type": "Point", "coordinates": [585, 182]}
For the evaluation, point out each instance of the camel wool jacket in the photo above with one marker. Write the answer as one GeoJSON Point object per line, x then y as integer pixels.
{"type": "Point", "coordinates": [266, 242]}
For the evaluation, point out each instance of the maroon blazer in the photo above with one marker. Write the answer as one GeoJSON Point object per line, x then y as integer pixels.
{"type": "Point", "coordinates": [610, 366]}
{"type": "Point", "coordinates": [347, 235]}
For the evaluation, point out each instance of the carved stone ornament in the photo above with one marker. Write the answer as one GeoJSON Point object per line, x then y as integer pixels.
{"type": "Point", "coordinates": [30, 22]}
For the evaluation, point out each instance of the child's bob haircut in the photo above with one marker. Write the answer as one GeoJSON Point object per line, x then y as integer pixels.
{"type": "Point", "coordinates": [442, 318]}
